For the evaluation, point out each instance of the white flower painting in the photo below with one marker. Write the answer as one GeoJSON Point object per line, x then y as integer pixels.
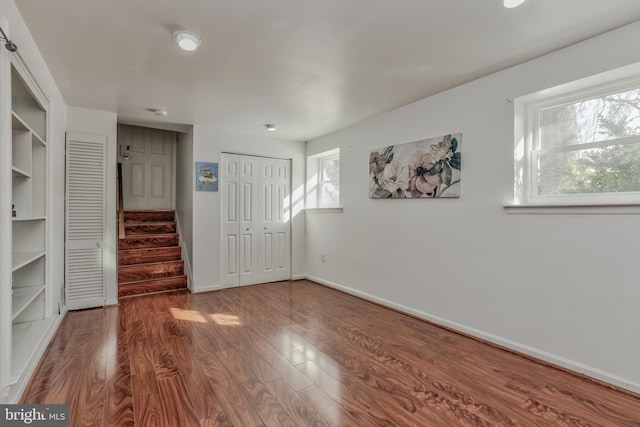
{"type": "Point", "coordinates": [429, 168]}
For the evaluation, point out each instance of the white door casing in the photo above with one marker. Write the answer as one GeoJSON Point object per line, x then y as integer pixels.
{"type": "Point", "coordinates": [85, 221]}
{"type": "Point", "coordinates": [147, 157]}
{"type": "Point", "coordinates": [256, 245]}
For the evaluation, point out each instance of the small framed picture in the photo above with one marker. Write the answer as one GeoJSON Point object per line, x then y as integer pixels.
{"type": "Point", "coordinates": [206, 176]}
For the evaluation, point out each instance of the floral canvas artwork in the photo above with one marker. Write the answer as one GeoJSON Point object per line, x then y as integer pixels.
{"type": "Point", "coordinates": [429, 168]}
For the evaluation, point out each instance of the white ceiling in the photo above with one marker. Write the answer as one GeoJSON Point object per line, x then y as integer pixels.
{"type": "Point", "coordinates": [311, 67]}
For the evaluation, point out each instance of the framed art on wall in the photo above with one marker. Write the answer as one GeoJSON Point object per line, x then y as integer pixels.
{"type": "Point", "coordinates": [429, 168]}
{"type": "Point", "coordinates": [206, 176]}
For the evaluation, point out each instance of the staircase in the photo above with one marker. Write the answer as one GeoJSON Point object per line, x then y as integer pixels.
{"type": "Point", "coordinates": [149, 258]}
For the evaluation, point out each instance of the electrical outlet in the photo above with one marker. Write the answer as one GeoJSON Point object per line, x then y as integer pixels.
{"type": "Point", "coordinates": [324, 258]}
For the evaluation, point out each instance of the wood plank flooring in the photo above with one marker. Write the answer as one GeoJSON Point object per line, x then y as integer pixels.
{"type": "Point", "coordinates": [299, 354]}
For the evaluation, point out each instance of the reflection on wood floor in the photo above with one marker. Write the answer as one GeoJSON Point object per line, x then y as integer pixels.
{"type": "Point", "coordinates": [299, 354]}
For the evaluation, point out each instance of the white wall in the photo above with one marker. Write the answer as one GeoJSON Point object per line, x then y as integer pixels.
{"type": "Point", "coordinates": [86, 121]}
{"type": "Point", "coordinates": [208, 143]}
{"type": "Point", "coordinates": [185, 170]}
{"type": "Point", "coordinates": [560, 287]}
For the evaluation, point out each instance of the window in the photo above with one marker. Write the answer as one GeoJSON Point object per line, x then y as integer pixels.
{"type": "Point", "coordinates": [323, 180]}
{"type": "Point", "coordinates": [580, 144]}
{"type": "Point", "coordinates": [329, 181]}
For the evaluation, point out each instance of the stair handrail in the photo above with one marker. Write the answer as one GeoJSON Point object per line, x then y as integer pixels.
{"type": "Point", "coordinates": [120, 204]}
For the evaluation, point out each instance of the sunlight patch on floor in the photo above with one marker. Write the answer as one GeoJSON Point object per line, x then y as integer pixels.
{"type": "Point", "coordinates": [188, 315]}
{"type": "Point", "coordinates": [226, 319]}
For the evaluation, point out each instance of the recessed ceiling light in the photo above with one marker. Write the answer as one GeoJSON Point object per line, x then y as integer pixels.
{"type": "Point", "coordinates": [271, 127]}
{"type": "Point", "coordinates": [187, 41]}
{"type": "Point", "coordinates": [512, 3]}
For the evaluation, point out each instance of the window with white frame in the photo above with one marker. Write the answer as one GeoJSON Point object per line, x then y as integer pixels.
{"type": "Point", "coordinates": [323, 180]}
{"type": "Point", "coordinates": [580, 144]}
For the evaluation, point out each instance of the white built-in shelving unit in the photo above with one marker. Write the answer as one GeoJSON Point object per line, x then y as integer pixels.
{"type": "Point", "coordinates": [31, 316]}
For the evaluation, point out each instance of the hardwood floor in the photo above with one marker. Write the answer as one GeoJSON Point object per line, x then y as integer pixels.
{"type": "Point", "coordinates": [299, 354]}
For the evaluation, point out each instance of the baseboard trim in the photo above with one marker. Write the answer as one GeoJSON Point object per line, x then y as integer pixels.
{"type": "Point", "coordinates": [208, 288]}
{"type": "Point", "coordinates": [581, 370]}
{"type": "Point", "coordinates": [16, 393]}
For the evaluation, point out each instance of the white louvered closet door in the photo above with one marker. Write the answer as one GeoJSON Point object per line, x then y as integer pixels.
{"type": "Point", "coordinates": [85, 221]}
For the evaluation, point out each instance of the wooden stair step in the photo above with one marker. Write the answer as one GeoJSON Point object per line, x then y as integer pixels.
{"type": "Point", "coordinates": [149, 255]}
{"type": "Point", "coordinates": [135, 272]}
{"type": "Point", "coordinates": [141, 287]}
{"type": "Point", "coordinates": [144, 227]}
{"type": "Point", "coordinates": [151, 216]}
{"type": "Point", "coordinates": [136, 241]}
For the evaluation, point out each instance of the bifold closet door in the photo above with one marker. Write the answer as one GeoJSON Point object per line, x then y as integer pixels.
{"type": "Point", "coordinates": [239, 250]}
{"type": "Point", "coordinates": [255, 219]}
{"type": "Point", "coordinates": [85, 221]}
{"type": "Point", "coordinates": [273, 221]}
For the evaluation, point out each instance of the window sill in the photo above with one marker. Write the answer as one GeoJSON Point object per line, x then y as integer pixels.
{"type": "Point", "coordinates": [323, 210]}
{"type": "Point", "coordinates": [580, 209]}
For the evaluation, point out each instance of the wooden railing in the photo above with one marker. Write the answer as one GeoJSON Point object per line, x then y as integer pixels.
{"type": "Point", "coordinates": [120, 204]}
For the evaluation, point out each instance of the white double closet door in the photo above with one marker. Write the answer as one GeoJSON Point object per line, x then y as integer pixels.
{"type": "Point", "coordinates": [256, 213]}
